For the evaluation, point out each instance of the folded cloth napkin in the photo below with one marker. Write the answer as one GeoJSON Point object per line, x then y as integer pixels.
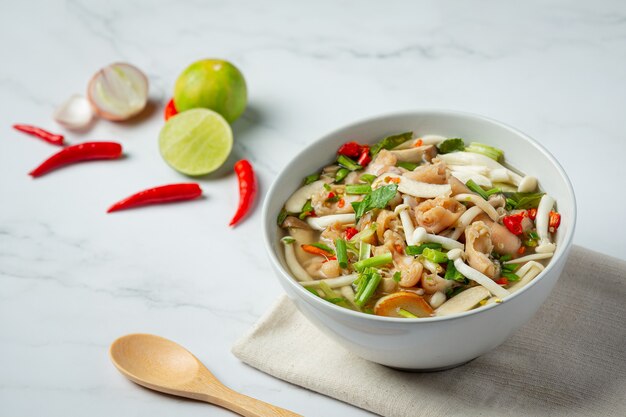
{"type": "Point", "coordinates": [569, 360]}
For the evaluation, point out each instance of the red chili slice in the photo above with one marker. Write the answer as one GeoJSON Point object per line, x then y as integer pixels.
{"type": "Point", "coordinates": [170, 110]}
{"type": "Point", "coordinates": [350, 232]}
{"type": "Point", "coordinates": [555, 220]}
{"type": "Point", "coordinates": [514, 223]}
{"type": "Point", "coordinates": [350, 149]}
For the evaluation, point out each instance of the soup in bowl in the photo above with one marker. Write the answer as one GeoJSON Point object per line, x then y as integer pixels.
{"type": "Point", "coordinates": [420, 240]}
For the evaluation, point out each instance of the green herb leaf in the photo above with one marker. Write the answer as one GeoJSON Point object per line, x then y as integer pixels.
{"type": "Point", "coordinates": [397, 276]}
{"type": "Point", "coordinates": [451, 145]}
{"type": "Point", "coordinates": [379, 198]}
{"type": "Point", "coordinates": [391, 142]}
{"type": "Point", "coordinates": [452, 273]}
{"type": "Point", "coordinates": [523, 201]}
{"type": "Point", "coordinates": [368, 178]}
{"type": "Point", "coordinates": [417, 250]}
{"type": "Point", "coordinates": [311, 178]}
{"type": "Point", "coordinates": [407, 165]}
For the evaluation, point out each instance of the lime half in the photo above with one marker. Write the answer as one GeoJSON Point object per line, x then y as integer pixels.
{"type": "Point", "coordinates": [196, 142]}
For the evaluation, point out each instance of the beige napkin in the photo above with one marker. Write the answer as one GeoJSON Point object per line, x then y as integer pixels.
{"type": "Point", "coordinates": [569, 360]}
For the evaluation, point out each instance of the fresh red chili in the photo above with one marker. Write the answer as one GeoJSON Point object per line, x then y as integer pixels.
{"type": "Point", "coordinates": [532, 213]}
{"type": "Point", "coordinates": [170, 110]}
{"type": "Point", "coordinates": [41, 134]}
{"type": "Point", "coordinates": [555, 221]}
{"type": "Point", "coordinates": [350, 149]}
{"type": "Point", "coordinates": [502, 281]}
{"type": "Point", "coordinates": [82, 152]}
{"type": "Point", "coordinates": [514, 223]}
{"type": "Point", "coordinates": [350, 232]}
{"type": "Point", "coordinates": [156, 195]}
{"type": "Point", "coordinates": [314, 250]}
{"type": "Point", "coordinates": [364, 158]}
{"type": "Point", "coordinates": [247, 189]}
{"type": "Point", "coordinates": [341, 203]}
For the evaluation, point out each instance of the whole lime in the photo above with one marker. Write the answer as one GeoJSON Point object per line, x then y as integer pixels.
{"type": "Point", "coordinates": [213, 84]}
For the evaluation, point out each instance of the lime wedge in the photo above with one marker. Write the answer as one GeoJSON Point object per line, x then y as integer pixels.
{"type": "Point", "coordinates": [196, 141]}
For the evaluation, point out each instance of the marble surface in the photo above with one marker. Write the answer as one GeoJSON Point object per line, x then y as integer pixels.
{"type": "Point", "coordinates": [72, 278]}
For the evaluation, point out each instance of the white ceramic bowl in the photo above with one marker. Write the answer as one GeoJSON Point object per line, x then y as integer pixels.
{"type": "Point", "coordinates": [437, 342]}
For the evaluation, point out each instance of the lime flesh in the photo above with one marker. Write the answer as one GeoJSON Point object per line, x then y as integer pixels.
{"type": "Point", "coordinates": [196, 142]}
{"type": "Point", "coordinates": [213, 84]}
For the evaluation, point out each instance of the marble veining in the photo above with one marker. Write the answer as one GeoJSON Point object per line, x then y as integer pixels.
{"type": "Point", "coordinates": [73, 278]}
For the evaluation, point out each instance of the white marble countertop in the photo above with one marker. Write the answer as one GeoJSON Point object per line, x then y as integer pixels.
{"type": "Point", "coordinates": [72, 278]}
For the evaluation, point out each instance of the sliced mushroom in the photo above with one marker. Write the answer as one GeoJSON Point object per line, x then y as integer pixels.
{"type": "Point", "coordinates": [464, 301]}
{"type": "Point", "coordinates": [294, 222]}
{"type": "Point", "coordinates": [390, 305]}
{"type": "Point", "coordinates": [298, 199]}
{"type": "Point", "coordinates": [417, 154]}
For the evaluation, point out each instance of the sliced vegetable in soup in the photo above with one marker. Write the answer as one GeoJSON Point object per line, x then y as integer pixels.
{"type": "Point", "coordinates": [417, 227]}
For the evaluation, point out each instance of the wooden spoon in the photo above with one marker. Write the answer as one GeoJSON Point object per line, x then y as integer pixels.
{"type": "Point", "coordinates": [162, 365]}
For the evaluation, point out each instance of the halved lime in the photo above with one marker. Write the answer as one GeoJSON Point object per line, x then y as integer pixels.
{"type": "Point", "coordinates": [196, 142]}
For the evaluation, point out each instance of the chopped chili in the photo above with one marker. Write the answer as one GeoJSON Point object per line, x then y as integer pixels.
{"type": "Point", "coordinates": [76, 153]}
{"type": "Point", "coordinates": [521, 250]}
{"type": "Point", "coordinates": [350, 149]}
{"type": "Point", "coordinates": [532, 213]}
{"type": "Point", "coordinates": [247, 189]}
{"type": "Point", "coordinates": [156, 195]}
{"type": "Point", "coordinates": [502, 281]}
{"type": "Point", "coordinates": [555, 221]}
{"type": "Point", "coordinates": [170, 110]}
{"type": "Point", "coordinates": [332, 258]}
{"type": "Point", "coordinates": [514, 223]}
{"type": "Point", "coordinates": [365, 157]}
{"type": "Point", "coordinates": [419, 142]}
{"type": "Point", "coordinates": [341, 203]}
{"type": "Point", "coordinates": [350, 232]}
{"type": "Point", "coordinates": [41, 134]}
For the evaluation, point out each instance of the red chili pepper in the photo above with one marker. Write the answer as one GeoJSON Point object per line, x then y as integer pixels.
{"type": "Point", "coordinates": [332, 258]}
{"type": "Point", "coordinates": [247, 189]}
{"type": "Point", "coordinates": [555, 221]}
{"type": "Point", "coordinates": [170, 110]}
{"type": "Point", "coordinates": [156, 195]}
{"type": "Point", "coordinates": [364, 158]}
{"type": "Point", "coordinates": [341, 203]}
{"type": "Point", "coordinates": [532, 213]}
{"type": "Point", "coordinates": [316, 251]}
{"type": "Point", "coordinates": [350, 232]}
{"type": "Point", "coordinates": [419, 143]}
{"type": "Point", "coordinates": [350, 149]}
{"type": "Point", "coordinates": [331, 195]}
{"type": "Point", "coordinates": [76, 153]}
{"type": "Point", "coordinates": [41, 134]}
{"type": "Point", "coordinates": [521, 250]}
{"type": "Point", "coordinates": [514, 223]}
{"type": "Point", "coordinates": [502, 281]}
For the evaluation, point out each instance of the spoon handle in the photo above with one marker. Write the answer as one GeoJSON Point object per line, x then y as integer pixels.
{"type": "Point", "coordinates": [248, 406]}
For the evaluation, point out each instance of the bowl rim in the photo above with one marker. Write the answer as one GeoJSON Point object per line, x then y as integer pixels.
{"type": "Point", "coordinates": [312, 299]}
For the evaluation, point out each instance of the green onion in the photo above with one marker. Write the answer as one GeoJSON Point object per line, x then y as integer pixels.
{"type": "Point", "coordinates": [287, 240]}
{"type": "Point", "coordinates": [369, 289]}
{"type": "Point", "coordinates": [342, 252]}
{"type": "Point", "coordinates": [364, 250]}
{"type": "Point", "coordinates": [358, 189]}
{"type": "Point", "coordinates": [477, 189]}
{"type": "Point", "coordinates": [417, 250]}
{"type": "Point", "coordinates": [531, 243]}
{"type": "Point", "coordinates": [323, 247]}
{"type": "Point", "coordinates": [451, 145]}
{"type": "Point", "coordinates": [374, 262]}
{"type": "Point", "coordinates": [281, 217]}
{"type": "Point", "coordinates": [505, 258]}
{"type": "Point", "coordinates": [452, 273]}
{"type": "Point", "coordinates": [341, 174]}
{"type": "Point", "coordinates": [311, 178]}
{"type": "Point", "coordinates": [327, 187]}
{"type": "Point", "coordinates": [406, 314]}
{"type": "Point", "coordinates": [481, 148]}
{"type": "Point", "coordinates": [435, 256]}
{"type": "Point", "coordinates": [306, 211]}
{"type": "Point", "coordinates": [510, 204]}
{"type": "Point", "coordinates": [397, 276]}
{"type": "Point", "coordinates": [365, 234]}
{"type": "Point", "coordinates": [368, 178]}
{"type": "Point", "coordinates": [407, 165]}
{"type": "Point", "coordinates": [312, 291]}
{"type": "Point", "coordinates": [331, 296]}
{"type": "Point", "coordinates": [533, 235]}
{"type": "Point", "coordinates": [493, 191]}
{"type": "Point", "coordinates": [510, 267]}
{"type": "Point", "coordinates": [510, 276]}
{"type": "Point", "coordinates": [348, 163]}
